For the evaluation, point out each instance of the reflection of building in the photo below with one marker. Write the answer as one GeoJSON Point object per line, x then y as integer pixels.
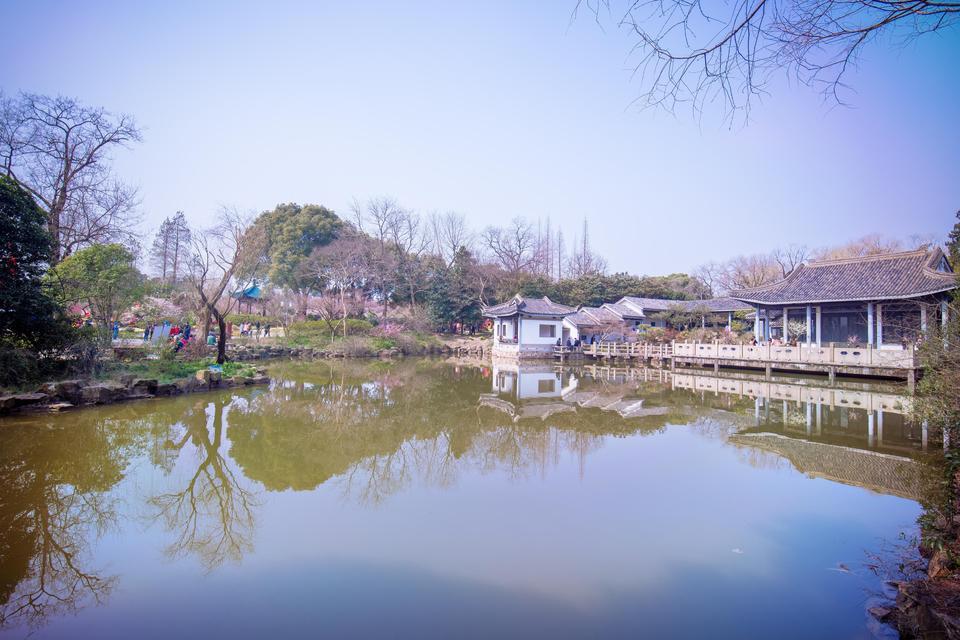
{"type": "Point", "coordinates": [532, 391]}
{"type": "Point", "coordinates": [527, 327]}
{"type": "Point", "coordinates": [879, 472]}
{"type": "Point", "coordinates": [855, 416]}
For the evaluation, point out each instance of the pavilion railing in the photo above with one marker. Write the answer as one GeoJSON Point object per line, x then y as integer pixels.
{"type": "Point", "coordinates": [831, 354]}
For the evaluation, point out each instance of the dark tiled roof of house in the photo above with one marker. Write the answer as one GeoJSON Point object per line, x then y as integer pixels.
{"type": "Point", "coordinates": [891, 276]}
{"type": "Point", "coordinates": [713, 305]}
{"type": "Point", "coordinates": [593, 317]}
{"type": "Point", "coordinates": [623, 311]}
{"type": "Point", "coordinates": [528, 307]}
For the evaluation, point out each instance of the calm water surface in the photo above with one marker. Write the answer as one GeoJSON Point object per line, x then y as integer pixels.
{"type": "Point", "coordinates": [422, 499]}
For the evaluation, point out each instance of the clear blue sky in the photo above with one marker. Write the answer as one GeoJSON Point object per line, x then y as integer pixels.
{"type": "Point", "coordinates": [494, 109]}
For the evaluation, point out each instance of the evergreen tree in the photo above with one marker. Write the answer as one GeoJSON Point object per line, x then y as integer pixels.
{"type": "Point", "coordinates": [28, 316]}
{"type": "Point", "coordinates": [170, 249]}
{"type": "Point", "coordinates": [953, 244]}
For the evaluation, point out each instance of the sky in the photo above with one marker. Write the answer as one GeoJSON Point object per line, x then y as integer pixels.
{"type": "Point", "coordinates": [495, 110]}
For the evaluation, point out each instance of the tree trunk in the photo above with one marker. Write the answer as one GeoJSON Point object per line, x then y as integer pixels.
{"type": "Point", "coordinates": [343, 306]}
{"type": "Point", "coordinates": [222, 342]}
{"type": "Point", "coordinates": [53, 227]}
{"type": "Point", "coordinates": [302, 305]}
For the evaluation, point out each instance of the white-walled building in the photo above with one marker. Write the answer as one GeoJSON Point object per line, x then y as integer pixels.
{"type": "Point", "coordinates": [527, 327]}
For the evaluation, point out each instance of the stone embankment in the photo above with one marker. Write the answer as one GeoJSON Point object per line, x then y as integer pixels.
{"type": "Point", "coordinates": [68, 394]}
{"type": "Point", "coordinates": [269, 352]}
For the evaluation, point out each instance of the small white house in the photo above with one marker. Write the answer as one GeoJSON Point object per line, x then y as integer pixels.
{"type": "Point", "coordinates": [527, 327]}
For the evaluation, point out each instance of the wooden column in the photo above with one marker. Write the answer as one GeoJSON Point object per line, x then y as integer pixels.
{"type": "Point", "coordinates": [879, 325]}
{"type": "Point", "coordinates": [809, 325]}
{"type": "Point", "coordinates": [869, 323]}
{"type": "Point", "coordinates": [819, 323]}
{"type": "Point", "coordinates": [783, 319]}
{"type": "Point", "coordinates": [729, 320]}
{"type": "Point", "coordinates": [756, 325]}
{"type": "Point", "coordinates": [923, 319]}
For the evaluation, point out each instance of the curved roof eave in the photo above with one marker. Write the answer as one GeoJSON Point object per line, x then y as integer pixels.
{"type": "Point", "coordinates": [849, 299]}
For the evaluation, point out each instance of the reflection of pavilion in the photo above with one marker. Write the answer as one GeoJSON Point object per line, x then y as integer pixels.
{"type": "Point", "coordinates": [879, 472]}
{"type": "Point", "coordinates": [857, 416]}
{"type": "Point", "coordinates": [540, 391]}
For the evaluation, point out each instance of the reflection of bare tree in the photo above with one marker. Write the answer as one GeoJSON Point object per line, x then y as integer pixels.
{"type": "Point", "coordinates": [54, 503]}
{"type": "Point", "coordinates": [213, 515]}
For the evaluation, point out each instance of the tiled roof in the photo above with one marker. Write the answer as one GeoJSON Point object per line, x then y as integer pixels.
{"type": "Point", "coordinates": [624, 311]}
{"type": "Point", "coordinates": [593, 317]}
{"type": "Point", "coordinates": [528, 307]}
{"type": "Point", "coordinates": [713, 305]}
{"type": "Point", "coordinates": [891, 276]}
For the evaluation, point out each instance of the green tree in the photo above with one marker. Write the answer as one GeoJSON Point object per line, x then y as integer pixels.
{"type": "Point", "coordinates": [292, 233]}
{"type": "Point", "coordinates": [101, 277]}
{"type": "Point", "coordinates": [953, 244]}
{"type": "Point", "coordinates": [450, 299]}
{"type": "Point", "coordinates": [29, 317]}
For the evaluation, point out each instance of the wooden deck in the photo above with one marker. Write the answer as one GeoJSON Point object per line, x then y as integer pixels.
{"type": "Point", "coordinates": [827, 359]}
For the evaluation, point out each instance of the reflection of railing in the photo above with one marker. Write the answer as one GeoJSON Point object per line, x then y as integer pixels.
{"type": "Point", "coordinates": [503, 340]}
{"type": "Point", "coordinates": [801, 354]}
{"type": "Point", "coordinates": [828, 396]}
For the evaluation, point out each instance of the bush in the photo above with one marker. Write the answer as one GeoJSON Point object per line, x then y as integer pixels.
{"type": "Point", "coordinates": [312, 332]}
{"type": "Point", "coordinates": [353, 347]}
{"type": "Point", "coordinates": [17, 366]}
{"type": "Point", "coordinates": [657, 335]}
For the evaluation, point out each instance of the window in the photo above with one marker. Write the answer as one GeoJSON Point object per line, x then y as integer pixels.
{"type": "Point", "coordinates": [548, 331]}
{"type": "Point", "coordinates": [546, 386]}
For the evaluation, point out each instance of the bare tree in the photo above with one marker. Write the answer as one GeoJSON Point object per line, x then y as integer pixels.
{"type": "Point", "coordinates": [220, 254]}
{"type": "Point", "coordinates": [450, 232]}
{"type": "Point", "coordinates": [376, 219]}
{"type": "Point", "coordinates": [343, 265]}
{"type": "Point", "coordinates": [409, 240]}
{"type": "Point", "coordinates": [866, 246]}
{"type": "Point", "coordinates": [59, 150]}
{"type": "Point", "coordinates": [695, 51]}
{"type": "Point", "coordinates": [512, 246]}
{"type": "Point", "coordinates": [790, 258]}
{"type": "Point", "coordinates": [583, 261]}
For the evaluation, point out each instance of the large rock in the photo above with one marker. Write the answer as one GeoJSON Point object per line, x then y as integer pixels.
{"type": "Point", "coordinates": [21, 400]}
{"type": "Point", "coordinates": [69, 390]}
{"type": "Point", "coordinates": [145, 385]}
{"type": "Point", "coordinates": [103, 393]}
{"type": "Point", "coordinates": [166, 389]}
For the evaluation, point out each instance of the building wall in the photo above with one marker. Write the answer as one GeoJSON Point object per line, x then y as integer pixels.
{"type": "Point", "coordinates": [530, 331]}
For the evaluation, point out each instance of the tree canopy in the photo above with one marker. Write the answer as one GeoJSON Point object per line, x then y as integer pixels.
{"type": "Point", "coordinates": [101, 277]}
{"type": "Point", "coordinates": [292, 233]}
{"type": "Point", "coordinates": [27, 313]}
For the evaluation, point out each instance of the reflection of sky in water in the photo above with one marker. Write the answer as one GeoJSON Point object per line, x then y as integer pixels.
{"type": "Point", "coordinates": [423, 514]}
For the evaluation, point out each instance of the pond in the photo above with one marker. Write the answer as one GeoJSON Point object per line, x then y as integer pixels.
{"type": "Point", "coordinates": [427, 499]}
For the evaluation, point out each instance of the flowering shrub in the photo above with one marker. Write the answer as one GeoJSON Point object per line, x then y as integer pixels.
{"type": "Point", "coordinates": [389, 329]}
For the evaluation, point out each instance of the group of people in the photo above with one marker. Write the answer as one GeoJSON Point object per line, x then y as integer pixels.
{"type": "Point", "coordinates": [577, 342]}
{"type": "Point", "coordinates": [252, 329]}
{"type": "Point", "coordinates": [175, 334]}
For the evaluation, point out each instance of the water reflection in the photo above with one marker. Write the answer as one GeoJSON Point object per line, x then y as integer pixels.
{"type": "Point", "coordinates": [212, 514]}
{"type": "Point", "coordinates": [55, 501]}
{"type": "Point", "coordinates": [196, 477]}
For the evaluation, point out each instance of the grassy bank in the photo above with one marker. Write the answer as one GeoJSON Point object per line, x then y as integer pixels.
{"type": "Point", "coordinates": [170, 370]}
{"type": "Point", "coordinates": [363, 339]}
